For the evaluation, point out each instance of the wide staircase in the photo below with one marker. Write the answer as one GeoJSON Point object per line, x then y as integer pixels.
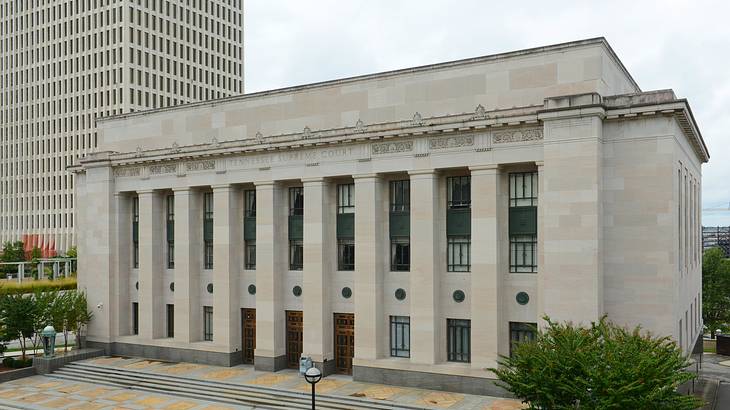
{"type": "Point", "coordinates": [259, 397]}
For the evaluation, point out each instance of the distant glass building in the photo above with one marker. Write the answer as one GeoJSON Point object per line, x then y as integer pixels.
{"type": "Point", "coordinates": [716, 237]}
{"type": "Point", "coordinates": [64, 63]}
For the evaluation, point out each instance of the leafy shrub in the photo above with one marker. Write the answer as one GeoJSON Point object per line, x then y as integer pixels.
{"type": "Point", "coordinates": [601, 367]}
{"type": "Point", "coordinates": [14, 363]}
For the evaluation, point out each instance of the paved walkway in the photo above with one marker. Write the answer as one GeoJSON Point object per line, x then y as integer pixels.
{"type": "Point", "coordinates": [45, 393]}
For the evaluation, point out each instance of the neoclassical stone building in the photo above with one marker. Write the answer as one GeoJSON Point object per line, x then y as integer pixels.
{"type": "Point", "coordinates": [405, 227]}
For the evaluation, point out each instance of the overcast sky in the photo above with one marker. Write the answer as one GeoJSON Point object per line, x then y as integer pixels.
{"type": "Point", "coordinates": [665, 44]}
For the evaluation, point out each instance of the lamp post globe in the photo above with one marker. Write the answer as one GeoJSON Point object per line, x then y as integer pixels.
{"type": "Point", "coordinates": [312, 376]}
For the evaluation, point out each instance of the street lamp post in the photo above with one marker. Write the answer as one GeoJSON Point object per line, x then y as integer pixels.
{"type": "Point", "coordinates": [313, 376]}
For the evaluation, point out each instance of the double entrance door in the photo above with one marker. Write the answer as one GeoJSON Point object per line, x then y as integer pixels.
{"type": "Point", "coordinates": [344, 342]}
{"type": "Point", "coordinates": [248, 326]}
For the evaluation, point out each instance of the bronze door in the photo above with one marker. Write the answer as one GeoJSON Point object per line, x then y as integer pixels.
{"type": "Point", "coordinates": [344, 342]}
{"type": "Point", "coordinates": [249, 334]}
{"type": "Point", "coordinates": [294, 337]}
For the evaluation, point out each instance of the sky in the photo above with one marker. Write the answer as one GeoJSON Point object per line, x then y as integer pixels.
{"type": "Point", "coordinates": [684, 46]}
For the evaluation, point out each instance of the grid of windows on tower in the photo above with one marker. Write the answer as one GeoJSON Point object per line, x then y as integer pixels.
{"type": "Point", "coordinates": [134, 55]}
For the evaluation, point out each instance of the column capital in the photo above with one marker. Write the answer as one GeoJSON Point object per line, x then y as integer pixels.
{"type": "Point", "coordinates": [484, 169]}
{"type": "Point", "coordinates": [422, 172]}
{"type": "Point", "coordinates": [181, 189]}
{"type": "Point", "coordinates": [146, 192]}
{"type": "Point", "coordinates": [222, 187]}
{"type": "Point", "coordinates": [367, 176]}
{"type": "Point", "coordinates": [313, 181]}
{"type": "Point", "coordinates": [264, 183]}
{"type": "Point", "coordinates": [539, 164]}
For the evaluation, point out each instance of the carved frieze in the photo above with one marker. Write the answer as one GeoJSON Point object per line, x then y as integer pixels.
{"type": "Point", "coordinates": [520, 135]}
{"type": "Point", "coordinates": [163, 169]}
{"type": "Point", "coordinates": [392, 147]}
{"type": "Point", "coordinates": [128, 172]}
{"type": "Point", "coordinates": [200, 165]}
{"type": "Point", "coordinates": [451, 142]}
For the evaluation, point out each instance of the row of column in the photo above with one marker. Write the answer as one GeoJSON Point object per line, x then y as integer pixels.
{"type": "Point", "coordinates": [427, 324]}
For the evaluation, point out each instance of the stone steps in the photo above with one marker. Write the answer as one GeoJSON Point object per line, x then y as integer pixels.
{"type": "Point", "coordinates": [222, 392]}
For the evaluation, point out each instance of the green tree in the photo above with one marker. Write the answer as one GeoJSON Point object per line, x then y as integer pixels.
{"type": "Point", "coordinates": [603, 366]}
{"type": "Point", "coordinates": [72, 252]}
{"type": "Point", "coordinates": [18, 314]}
{"type": "Point", "coordinates": [715, 290]}
{"type": "Point", "coordinates": [13, 252]}
{"type": "Point", "coordinates": [78, 315]}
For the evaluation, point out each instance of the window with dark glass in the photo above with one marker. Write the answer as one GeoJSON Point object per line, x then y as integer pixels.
{"type": "Point", "coordinates": [135, 318]}
{"type": "Point", "coordinates": [458, 253]}
{"type": "Point", "coordinates": [458, 190]}
{"type": "Point", "coordinates": [249, 229]}
{"type": "Point", "coordinates": [458, 224]}
{"type": "Point", "coordinates": [345, 254]}
{"type": "Point", "coordinates": [458, 332]}
{"type": "Point", "coordinates": [296, 201]}
{"type": "Point", "coordinates": [521, 332]}
{"type": "Point", "coordinates": [523, 190]}
{"type": "Point", "coordinates": [345, 198]}
{"type": "Point", "coordinates": [208, 323]}
{"type": "Point", "coordinates": [296, 254]}
{"type": "Point", "coordinates": [170, 228]}
{"type": "Point", "coordinates": [250, 254]}
{"type": "Point", "coordinates": [400, 254]}
{"type": "Point", "coordinates": [400, 217]}
{"type": "Point", "coordinates": [170, 320]}
{"type": "Point", "coordinates": [400, 336]}
{"type": "Point", "coordinates": [135, 232]}
{"type": "Point", "coordinates": [208, 230]}
{"type": "Point", "coordinates": [346, 227]}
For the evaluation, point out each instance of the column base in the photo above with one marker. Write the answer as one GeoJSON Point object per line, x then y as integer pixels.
{"type": "Point", "coordinates": [270, 364]}
{"type": "Point", "coordinates": [431, 381]}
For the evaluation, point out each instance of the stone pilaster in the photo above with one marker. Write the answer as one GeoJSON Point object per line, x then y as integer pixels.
{"type": "Point", "coordinates": [318, 270]}
{"type": "Point", "coordinates": [369, 262]}
{"type": "Point", "coordinates": [271, 261]}
{"type": "Point", "coordinates": [227, 252]}
{"type": "Point", "coordinates": [151, 307]}
{"type": "Point", "coordinates": [119, 299]}
{"type": "Point", "coordinates": [572, 219]}
{"type": "Point", "coordinates": [486, 309]}
{"type": "Point", "coordinates": [424, 295]}
{"type": "Point", "coordinates": [188, 259]}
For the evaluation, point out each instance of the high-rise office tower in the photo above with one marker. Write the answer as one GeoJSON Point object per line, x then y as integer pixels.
{"type": "Point", "coordinates": [64, 63]}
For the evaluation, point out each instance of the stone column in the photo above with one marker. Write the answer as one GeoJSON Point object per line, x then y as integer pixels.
{"type": "Point", "coordinates": [540, 245]}
{"type": "Point", "coordinates": [188, 253]}
{"type": "Point", "coordinates": [227, 250]}
{"type": "Point", "coordinates": [368, 292]}
{"type": "Point", "coordinates": [572, 219]}
{"type": "Point", "coordinates": [318, 268]}
{"type": "Point", "coordinates": [425, 321]}
{"type": "Point", "coordinates": [271, 261]}
{"type": "Point", "coordinates": [151, 320]}
{"type": "Point", "coordinates": [486, 309]}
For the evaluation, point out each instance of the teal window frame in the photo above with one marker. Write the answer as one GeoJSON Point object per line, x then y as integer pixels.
{"type": "Point", "coordinates": [400, 336]}
{"type": "Point", "coordinates": [458, 333]}
{"type": "Point", "coordinates": [208, 323]}
{"type": "Point", "coordinates": [135, 232]}
{"type": "Point", "coordinates": [249, 256]}
{"type": "Point", "coordinates": [170, 230]}
{"type": "Point", "coordinates": [346, 198]}
{"type": "Point", "coordinates": [296, 201]}
{"type": "Point", "coordinates": [458, 192]}
{"type": "Point", "coordinates": [520, 332]}
{"type": "Point", "coordinates": [523, 201]}
{"type": "Point", "coordinates": [296, 254]}
{"type": "Point", "coordinates": [400, 254]}
{"type": "Point", "coordinates": [346, 254]}
{"type": "Point", "coordinates": [207, 241]}
{"type": "Point", "coordinates": [458, 253]}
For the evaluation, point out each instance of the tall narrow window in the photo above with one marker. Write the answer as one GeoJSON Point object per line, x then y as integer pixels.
{"type": "Point", "coordinates": [249, 229]}
{"type": "Point", "coordinates": [523, 189]}
{"type": "Point", "coordinates": [459, 340]}
{"type": "Point", "coordinates": [520, 332]}
{"type": "Point", "coordinates": [400, 336]}
{"type": "Point", "coordinates": [208, 323]}
{"type": "Point", "coordinates": [458, 224]}
{"type": "Point", "coordinates": [208, 230]}
{"type": "Point", "coordinates": [135, 318]}
{"type": "Point", "coordinates": [296, 228]}
{"type": "Point", "coordinates": [135, 232]}
{"type": "Point", "coordinates": [170, 320]}
{"type": "Point", "coordinates": [400, 240]}
{"type": "Point", "coordinates": [170, 232]}
{"type": "Point", "coordinates": [346, 227]}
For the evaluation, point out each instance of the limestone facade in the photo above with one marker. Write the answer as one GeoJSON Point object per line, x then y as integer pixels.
{"type": "Point", "coordinates": [540, 182]}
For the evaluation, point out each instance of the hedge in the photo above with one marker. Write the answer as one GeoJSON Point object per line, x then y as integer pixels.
{"type": "Point", "coordinates": [37, 285]}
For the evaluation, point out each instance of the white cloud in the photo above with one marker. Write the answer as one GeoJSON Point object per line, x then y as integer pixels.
{"type": "Point", "coordinates": [664, 44]}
